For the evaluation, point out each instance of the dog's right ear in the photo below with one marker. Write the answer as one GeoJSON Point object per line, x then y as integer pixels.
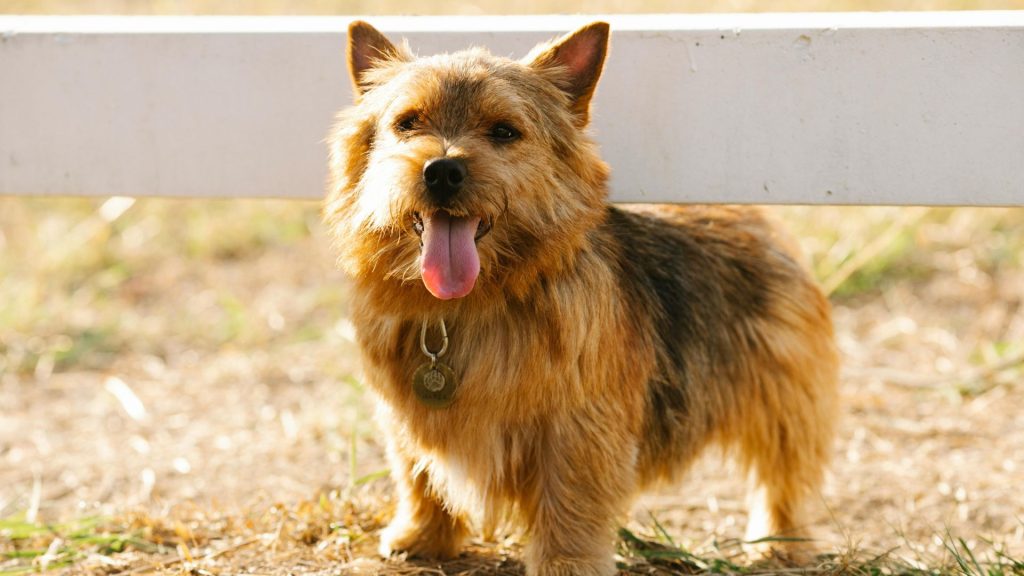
{"type": "Point", "coordinates": [580, 55]}
{"type": "Point", "coordinates": [367, 48]}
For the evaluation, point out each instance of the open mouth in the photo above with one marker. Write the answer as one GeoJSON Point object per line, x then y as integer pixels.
{"type": "Point", "coordinates": [481, 229]}
{"type": "Point", "coordinates": [449, 261]}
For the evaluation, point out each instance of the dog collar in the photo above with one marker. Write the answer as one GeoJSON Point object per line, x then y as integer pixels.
{"type": "Point", "coordinates": [434, 382]}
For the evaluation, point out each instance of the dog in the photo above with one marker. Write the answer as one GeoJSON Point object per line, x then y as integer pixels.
{"type": "Point", "coordinates": [538, 353]}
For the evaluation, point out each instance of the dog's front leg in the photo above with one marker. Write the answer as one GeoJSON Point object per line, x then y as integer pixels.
{"type": "Point", "coordinates": [584, 478]}
{"type": "Point", "coordinates": [422, 527]}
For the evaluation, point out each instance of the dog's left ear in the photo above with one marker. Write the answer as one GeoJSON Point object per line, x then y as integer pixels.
{"type": "Point", "coordinates": [581, 55]}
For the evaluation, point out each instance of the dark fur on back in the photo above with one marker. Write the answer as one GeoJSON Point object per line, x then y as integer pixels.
{"type": "Point", "coordinates": [706, 280]}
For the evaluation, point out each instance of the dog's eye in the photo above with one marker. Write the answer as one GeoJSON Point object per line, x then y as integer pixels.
{"type": "Point", "coordinates": [407, 123]}
{"type": "Point", "coordinates": [503, 133]}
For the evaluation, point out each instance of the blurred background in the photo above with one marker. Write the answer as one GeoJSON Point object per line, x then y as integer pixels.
{"type": "Point", "coordinates": [395, 7]}
{"type": "Point", "coordinates": [158, 352]}
{"type": "Point", "coordinates": [381, 7]}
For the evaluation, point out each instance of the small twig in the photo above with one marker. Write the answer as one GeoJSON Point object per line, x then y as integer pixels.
{"type": "Point", "coordinates": [914, 380]}
{"type": "Point", "coordinates": [35, 500]}
{"type": "Point", "coordinates": [52, 553]}
{"type": "Point", "coordinates": [208, 556]}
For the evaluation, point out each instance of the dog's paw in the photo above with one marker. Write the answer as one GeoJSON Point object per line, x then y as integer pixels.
{"type": "Point", "coordinates": [574, 567]}
{"type": "Point", "coordinates": [420, 542]}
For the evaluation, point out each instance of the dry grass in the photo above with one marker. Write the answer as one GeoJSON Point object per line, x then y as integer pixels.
{"type": "Point", "coordinates": [179, 392]}
{"type": "Point", "coordinates": [184, 373]}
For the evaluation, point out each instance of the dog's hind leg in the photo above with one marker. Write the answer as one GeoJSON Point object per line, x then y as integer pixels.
{"type": "Point", "coordinates": [786, 435]}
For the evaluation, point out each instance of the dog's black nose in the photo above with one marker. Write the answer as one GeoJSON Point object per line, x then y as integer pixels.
{"type": "Point", "coordinates": [444, 177]}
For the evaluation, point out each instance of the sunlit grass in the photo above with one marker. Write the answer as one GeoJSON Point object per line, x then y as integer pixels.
{"type": "Point", "coordinates": [858, 250]}
{"type": "Point", "coordinates": [30, 546]}
{"type": "Point", "coordinates": [656, 549]}
{"type": "Point", "coordinates": [86, 285]}
{"type": "Point", "coordinates": [339, 528]}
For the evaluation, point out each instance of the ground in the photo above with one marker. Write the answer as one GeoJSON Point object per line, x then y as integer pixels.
{"type": "Point", "coordinates": [179, 392]}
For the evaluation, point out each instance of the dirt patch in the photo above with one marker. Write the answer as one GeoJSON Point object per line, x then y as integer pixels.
{"type": "Point", "coordinates": [212, 394]}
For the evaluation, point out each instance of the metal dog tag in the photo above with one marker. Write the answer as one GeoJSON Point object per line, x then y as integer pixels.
{"type": "Point", "coordinates": [434, 385]}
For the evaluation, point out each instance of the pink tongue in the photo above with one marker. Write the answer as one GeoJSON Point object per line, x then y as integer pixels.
{"type": "Point", "coordinates": [450, 263]}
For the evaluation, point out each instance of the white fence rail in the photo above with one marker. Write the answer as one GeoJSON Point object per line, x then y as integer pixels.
{"type": "Point", "coordinates": [904, 108]}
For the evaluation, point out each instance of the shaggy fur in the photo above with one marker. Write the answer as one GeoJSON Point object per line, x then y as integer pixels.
{"type": "Point", "coordinates": [601, 347]}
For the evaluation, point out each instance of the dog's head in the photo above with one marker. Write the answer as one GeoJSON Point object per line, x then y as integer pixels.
{"type": "Point", "coordinates": [465, 174]}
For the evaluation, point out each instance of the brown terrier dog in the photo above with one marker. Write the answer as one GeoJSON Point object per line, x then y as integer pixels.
{"type": "Point", "coordinates": [538, 352]}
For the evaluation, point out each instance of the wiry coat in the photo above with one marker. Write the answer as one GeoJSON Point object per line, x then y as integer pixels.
{"type": "Point", "coordinates": [601, 347]}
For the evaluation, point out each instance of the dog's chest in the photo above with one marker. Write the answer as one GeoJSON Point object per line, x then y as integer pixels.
{"type": "Point", "coordinates": [504, 369]}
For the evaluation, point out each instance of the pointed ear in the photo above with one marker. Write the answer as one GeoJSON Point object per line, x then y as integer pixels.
{"type": "Point", "coordinates": [367, 48]}
{"type": "Point", "coordinates": [581, 55]}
